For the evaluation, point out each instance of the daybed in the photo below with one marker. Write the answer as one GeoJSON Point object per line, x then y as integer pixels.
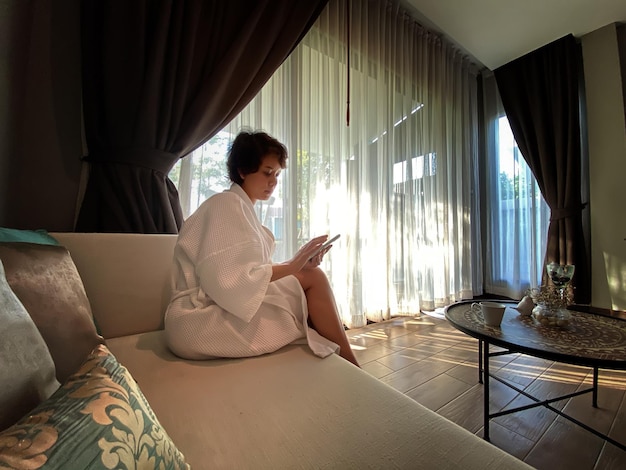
{"type": "Point", "coordinates": [285, 410]}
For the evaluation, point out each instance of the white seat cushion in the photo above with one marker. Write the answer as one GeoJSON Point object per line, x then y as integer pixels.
{"type": "Point", "coordinates": [291, 409]}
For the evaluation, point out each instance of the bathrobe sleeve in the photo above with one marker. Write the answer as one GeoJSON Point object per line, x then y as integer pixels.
{"type": "Point", "coordinates": [233, 262]}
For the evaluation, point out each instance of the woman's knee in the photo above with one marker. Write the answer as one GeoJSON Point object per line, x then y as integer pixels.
{"type": "Point", "coordinates": [312, 277]}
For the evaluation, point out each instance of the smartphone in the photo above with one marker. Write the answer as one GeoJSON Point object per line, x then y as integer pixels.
{"type": "Point", "coordinates": [324, 245]}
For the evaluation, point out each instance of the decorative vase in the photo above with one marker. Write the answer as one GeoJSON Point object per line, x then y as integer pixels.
{"type": "Point", "coordinates": [551, 306]}
{"type": "Point", "coordinates": [551, 316]}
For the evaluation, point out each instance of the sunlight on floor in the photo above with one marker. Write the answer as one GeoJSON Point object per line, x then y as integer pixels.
{"type": "Point", "coordinates": [376, 334]}
{"type": "Point", "coordinates": [456, 348]}
{"type": "Point", "coordinates": [618, 383]}
{"type": "Point", "coordinates": [419, 321]}
{"type": "Point", "coordinates": [540, 373]}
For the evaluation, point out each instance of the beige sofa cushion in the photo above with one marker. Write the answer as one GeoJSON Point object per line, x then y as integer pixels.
{"type": "Point", "coordinates": [126, 277]}
{"type": "Point", "coordinates": [291, 409]}
{"type": "Point", "coordinates": [26, 367]}
{"type": "Point", "coordinates": [46, 281]}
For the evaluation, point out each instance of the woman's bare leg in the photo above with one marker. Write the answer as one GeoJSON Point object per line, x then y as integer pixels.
{"type": "Point", "coordinates": [323, 311]}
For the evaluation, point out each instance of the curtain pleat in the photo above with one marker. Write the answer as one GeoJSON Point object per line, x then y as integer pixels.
{"type": "Point", "coordinates": [540, 94]}
{"type": "Point", "coordinates": [160, 78]}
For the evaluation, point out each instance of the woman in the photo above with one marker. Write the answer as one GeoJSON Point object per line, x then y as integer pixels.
{"type": "Point", "coordinates": [229, 299]}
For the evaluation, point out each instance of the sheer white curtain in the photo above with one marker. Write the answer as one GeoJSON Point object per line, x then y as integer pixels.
{"type": "Point", "coordinates": [396, 182]}
{"type": "Point", "coordinates": [516, 215]}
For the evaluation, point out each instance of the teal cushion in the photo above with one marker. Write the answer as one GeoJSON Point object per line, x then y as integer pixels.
{"type": "Point", "coordinates": [98, 419]}
{"type": "Point", "coordinates": [29, 236]}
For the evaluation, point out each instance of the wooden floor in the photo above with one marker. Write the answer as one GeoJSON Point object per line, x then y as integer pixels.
{"type": "Point", "coordinates": [427, 359]}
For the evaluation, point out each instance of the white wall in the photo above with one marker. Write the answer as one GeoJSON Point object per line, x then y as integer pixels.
{"type": "Point", "coordinates": [607, 167]}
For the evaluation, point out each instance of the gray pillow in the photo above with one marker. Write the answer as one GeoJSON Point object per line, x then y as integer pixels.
{"type": "Point", "coordinates": [27, 371]}
{"type": "Point", "coordinates": [46, 281]}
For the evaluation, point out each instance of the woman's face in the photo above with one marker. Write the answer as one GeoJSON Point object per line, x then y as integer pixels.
{"type": "Point", "coordinates": [261, 185]}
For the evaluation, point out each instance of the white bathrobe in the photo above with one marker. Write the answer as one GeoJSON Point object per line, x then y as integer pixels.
{"type": "Point", "coordinates": [223, 303]}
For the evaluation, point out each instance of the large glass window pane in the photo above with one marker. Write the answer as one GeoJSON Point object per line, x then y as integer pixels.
{"type": "Point", "coordinates": [519, 220]}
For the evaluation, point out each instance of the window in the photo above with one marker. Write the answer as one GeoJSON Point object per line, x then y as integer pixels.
{"type": "Point", "coordinates": [518, 220]}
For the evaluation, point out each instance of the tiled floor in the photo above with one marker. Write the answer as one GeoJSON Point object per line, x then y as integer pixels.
{"type": "Point", "coordinates": [436, 365]}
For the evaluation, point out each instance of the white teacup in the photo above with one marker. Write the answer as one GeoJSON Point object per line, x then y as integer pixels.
{"type": "Point", "coordinates": [492, 312]}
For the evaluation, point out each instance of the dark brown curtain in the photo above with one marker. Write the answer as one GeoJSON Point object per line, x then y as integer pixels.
{"type": "Point", "coordinates": [160, 77]}
{"type": "Point", "coordinates": [540, 94]}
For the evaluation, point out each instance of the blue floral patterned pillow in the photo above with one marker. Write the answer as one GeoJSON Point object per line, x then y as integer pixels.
{"type": "Point", "coordinates": [99, 419]}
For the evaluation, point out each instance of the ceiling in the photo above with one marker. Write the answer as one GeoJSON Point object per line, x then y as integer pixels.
{"type": "Point", "coordinates": [495, 32]}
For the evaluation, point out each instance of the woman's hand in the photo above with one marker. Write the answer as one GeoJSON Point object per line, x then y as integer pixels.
{"type": "Point", "coordinates": [316, 260]}
{"type": "Point", "coordinates": [302, 259]}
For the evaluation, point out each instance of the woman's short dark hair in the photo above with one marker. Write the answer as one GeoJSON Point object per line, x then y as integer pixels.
{"type": "Point", "coordinates": [247, 151]}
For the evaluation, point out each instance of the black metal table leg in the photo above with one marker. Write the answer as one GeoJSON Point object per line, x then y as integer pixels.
{"type": "Point", "coordinates": [480, 361]}
{"type": "Point", "coordinates": [485, 356]}
{"type": "Point", "coordinates": [594, 394]}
